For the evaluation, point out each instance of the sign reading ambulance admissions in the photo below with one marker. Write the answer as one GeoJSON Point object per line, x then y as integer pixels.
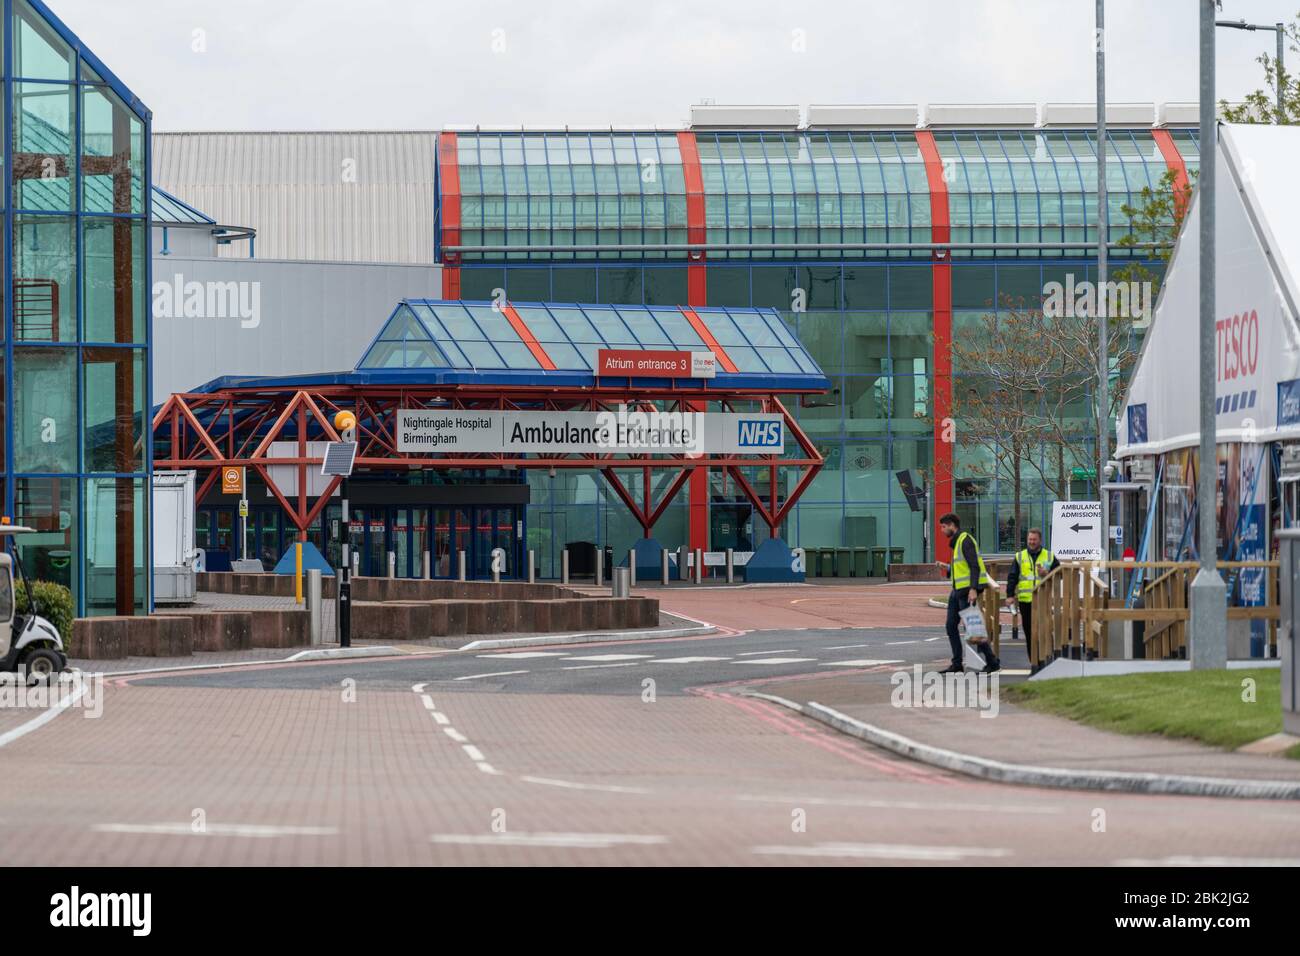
{"type": "Point", "coordinates": [638, 363]}
{"type": "Point", "coordinates": [1076, 530]}
{"type": "Point", "coordinates": [438, 431]}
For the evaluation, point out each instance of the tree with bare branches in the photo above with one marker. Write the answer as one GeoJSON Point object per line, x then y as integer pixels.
{"type": "Point", "coordinates": [1022, 391]}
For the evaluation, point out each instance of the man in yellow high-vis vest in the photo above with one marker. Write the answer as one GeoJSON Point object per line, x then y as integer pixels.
{"type": "Point", "coordinates": [968, 577]}
{"type": "Point", "coordinates": [1028, 568]}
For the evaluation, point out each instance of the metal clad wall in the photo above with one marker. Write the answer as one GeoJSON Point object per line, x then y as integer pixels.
{"type": "Point", "coordinates": [344, 196]}
{"type": "Point", "coordinates": [311, 317]}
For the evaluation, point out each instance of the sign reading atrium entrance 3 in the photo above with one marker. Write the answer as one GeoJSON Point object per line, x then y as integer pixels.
{"type": "Point", "coordinates": [650, 363]}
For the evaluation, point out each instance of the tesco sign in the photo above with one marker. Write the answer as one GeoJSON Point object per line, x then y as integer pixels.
{"type": "Point", "coordinates": [1237, 346]}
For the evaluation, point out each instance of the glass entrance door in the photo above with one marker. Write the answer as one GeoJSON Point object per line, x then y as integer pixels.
{"type": "Point", "coordinates": [495, 527]}
{"type": "Point", "coordinates": [268, 545]}
{"type": "Point", "coordinates": [399, 522]}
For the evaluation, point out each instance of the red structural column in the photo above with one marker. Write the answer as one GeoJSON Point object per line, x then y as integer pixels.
{"type": "Point", "coordinates": [696, 295]}
{"type": "Point", "coordinates": [449, 180]}
{"type": "Point", "coordinates": [1174, 160]}
{"type": "Point", "coordinates": [942, 495]}
{"type": "Point", "coordinates": [696, 226]}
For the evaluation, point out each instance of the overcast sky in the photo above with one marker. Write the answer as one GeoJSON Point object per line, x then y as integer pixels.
{"type": "Point", "coordinates": [425, 64]}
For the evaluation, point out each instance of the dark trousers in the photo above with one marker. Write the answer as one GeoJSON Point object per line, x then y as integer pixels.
{"type": "Point", "coordinates": [958, 602]}
{"type": "Point", "coordinates": [1026, 619]}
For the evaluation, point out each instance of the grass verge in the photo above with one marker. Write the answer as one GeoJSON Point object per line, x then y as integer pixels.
{"type": "Point", "coordinates": [1213, 707]}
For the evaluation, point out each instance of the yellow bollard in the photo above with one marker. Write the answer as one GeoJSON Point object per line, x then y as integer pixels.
{"type": "Point", "coordinates": [297, 572]}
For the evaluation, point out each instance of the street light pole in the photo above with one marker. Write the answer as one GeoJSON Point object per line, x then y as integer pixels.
{"type": "Point", "coordinates": [1208, 645]}
{"type": "Point", "coordinates": [1103, 331]}
{"type": "Point", "coordinates": [1278, 67]}
{"type": "Point", "coordinates": [1281, 73]}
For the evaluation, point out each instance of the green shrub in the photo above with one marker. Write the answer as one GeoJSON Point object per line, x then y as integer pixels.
{"type": "Point", "coordinates": [55, 603]}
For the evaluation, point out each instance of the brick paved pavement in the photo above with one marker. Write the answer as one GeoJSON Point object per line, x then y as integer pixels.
{"type": "Point", "coordinates": [694, 779]}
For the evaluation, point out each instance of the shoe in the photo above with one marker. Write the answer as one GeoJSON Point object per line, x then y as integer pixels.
{"type": "Point", "coordinates": [953, 669]}
{"type": "Point", "coordinates": [990, 668]}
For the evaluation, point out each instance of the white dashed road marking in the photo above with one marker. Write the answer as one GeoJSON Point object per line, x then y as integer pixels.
{"type": "Point", "coordinates": [778, 660]}
{"type": "Point", "coordinates": [577, 841]}
{"type": "Point", "coordinates": [784, 650]}
{"type": "Point", "coordinates": [470, 750]}
{"type": "Point", "coordinates": [569, 785]}
{"type": "Point", "coordinates": [861, 663]}
{"type": "Point", "coordinates": [215, 829]}
{"type": "Point", "coordinates": [492, 674]}
{"type": "Point", "coordinates": [686, 660]}
{"type": "Point", "coordinates": [521, 654]}
{"type": "Point", "coordinates": [926, 805]}
{"type": "Point", "coordinates": [611, 657]}
{"type": "Point", "coordinates": [884, 851]}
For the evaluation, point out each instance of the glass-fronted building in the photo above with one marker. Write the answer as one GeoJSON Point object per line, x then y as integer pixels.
{"type": "Point", "coordinates": [876, 245]}
{"type": "Point", "coordinates": [76, 329]}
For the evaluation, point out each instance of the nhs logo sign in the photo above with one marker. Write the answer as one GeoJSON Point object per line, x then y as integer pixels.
{"type": "Point", "coordinates": [760, 433]}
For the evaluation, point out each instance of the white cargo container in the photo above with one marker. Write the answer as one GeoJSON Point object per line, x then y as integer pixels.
{"type": "Point", "coordinates": [174, 553]}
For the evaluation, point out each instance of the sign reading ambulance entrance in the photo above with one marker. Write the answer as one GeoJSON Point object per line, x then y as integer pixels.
{"type": "Point", "coordinates": [436, 431]}
{"type": "Point", "coordinates": [232, 481]}
{"type": "Point", "coordinates": [637, 363]}
{"type": "Point", "coordinates": [1076, 530]}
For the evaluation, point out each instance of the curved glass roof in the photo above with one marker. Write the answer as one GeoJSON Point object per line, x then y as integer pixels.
{"type": "Point", "coordinates": [429, 335]}
{"type": "Point", "coordinates": [805, 186]}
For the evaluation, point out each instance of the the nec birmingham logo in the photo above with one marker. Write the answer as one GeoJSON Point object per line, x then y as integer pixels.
{"type": "Point", "coordinates": [179, 299]}
{"type": "Point", "coordinates": [756, 433]}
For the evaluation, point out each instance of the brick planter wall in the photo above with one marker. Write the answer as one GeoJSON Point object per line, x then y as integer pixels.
{"type": "Point", "coordinates": [99, 638]}
{"type": "Point", "coordinates": [223, 631]}
{"type": "Point", "coordinates": [281, 628]}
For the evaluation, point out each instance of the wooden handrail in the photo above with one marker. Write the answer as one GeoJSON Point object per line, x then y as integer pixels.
{"type": "Point", "coordinates": [1121, 565]}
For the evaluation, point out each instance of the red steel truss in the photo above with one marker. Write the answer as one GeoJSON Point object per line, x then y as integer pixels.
{"type": "Point", "coordinates": [236, 427]}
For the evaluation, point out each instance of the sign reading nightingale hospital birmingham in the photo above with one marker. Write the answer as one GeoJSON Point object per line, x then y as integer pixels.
{"type": "Point", "coordinates": [625, 431]}
{"type": "Point", "coordinates": [1076, 530]}
{"type": "Point", "coordinates": [650, 363]}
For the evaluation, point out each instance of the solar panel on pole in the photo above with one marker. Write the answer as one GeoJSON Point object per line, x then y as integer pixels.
{"type": "Point", "coordinates": [339, 458]}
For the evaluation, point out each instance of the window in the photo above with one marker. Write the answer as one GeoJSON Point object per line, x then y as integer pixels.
{"type": "Point", "coordinates": [728, 285]}
{"type": "Point", "coordinates": [113, 280]}
{"type": "Point", "coordinates": [43, 145]}
{"type": "Point", "coordinates": [39, 52]}
{"type": "Point", "coordinates": [48, 505]}
{"type": "Point", "coordinates": [112, 160]}
{"type": "Point", "coordinates": [113, 412]}
{"type": "Point", "coordinates": [45, 412]}
{"type": "Point", "coordinates": [115, 527]}
{"type": "Point", "coordinates": [45, 291]}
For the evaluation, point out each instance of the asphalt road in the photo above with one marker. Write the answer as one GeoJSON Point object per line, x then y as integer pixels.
{"type": "Point", "coordinates": [562, 755]}
{"type": "Point", "coordinates": [613, 668]}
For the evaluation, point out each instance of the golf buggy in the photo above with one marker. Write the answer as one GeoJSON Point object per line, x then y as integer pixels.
{"type": "Point", "coordinates": [27, 640]}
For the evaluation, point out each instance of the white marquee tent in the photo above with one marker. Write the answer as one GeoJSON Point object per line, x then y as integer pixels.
{"type": "Point", "coordinates": [1257, 355]}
